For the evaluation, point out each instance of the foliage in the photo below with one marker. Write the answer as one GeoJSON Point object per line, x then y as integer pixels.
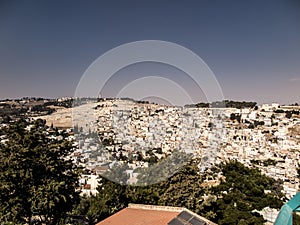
{"type": "Point", "coordinates": [223, 104]}
{"type": "Point", "coordinates": [296, 218]}
{"type": "Point", "coordinates": [158, 172]}
{"type": "Point", "coordinates": [241, 190]}
{"type": "Point", "coordinates": [236, 116]}
{"type": "Point", "coordinates": [110, 199]}
{"type": "Point", "coordinates": [234, 104]}
{"type": "Point", "coordinates": [265, 163]}
{"type": "Point", "coordinates": [36, 178]}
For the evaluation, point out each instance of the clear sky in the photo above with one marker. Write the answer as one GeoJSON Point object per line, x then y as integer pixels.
{"type": "Point", "coordinates": [252, 46]}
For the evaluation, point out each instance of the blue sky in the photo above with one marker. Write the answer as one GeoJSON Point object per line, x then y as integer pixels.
{"type": "Point", "coordinates": [252, 47]}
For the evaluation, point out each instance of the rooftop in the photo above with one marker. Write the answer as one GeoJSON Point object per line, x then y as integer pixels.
{"type": "Point", "coordinates": [136, 214]}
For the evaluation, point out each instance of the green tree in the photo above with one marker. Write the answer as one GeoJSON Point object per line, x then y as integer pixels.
{"type": "Point", "coordinates": [111, 198]}
{"type": "Point", "coordinates": [240, 192]}
{"type": "Point", "coordinates": [184, 188]}
{"type": "Point", "coordinates": [37, 181]}
{"type": "Point", "coordinates": [288, 114]}
{"type": "Point", "coordinates": [232, 116]}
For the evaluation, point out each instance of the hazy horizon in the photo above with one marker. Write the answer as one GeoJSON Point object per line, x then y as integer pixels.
{"type": "Point", "coordinates": [251, 46]}
{"type": "Point", "coordinates": [154, 100]}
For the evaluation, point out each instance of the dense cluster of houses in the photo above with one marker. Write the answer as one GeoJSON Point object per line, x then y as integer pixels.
{"type": "Point", "coordinates": [273, 145]}
{"type": "Point", "coordinates": [141, 134]}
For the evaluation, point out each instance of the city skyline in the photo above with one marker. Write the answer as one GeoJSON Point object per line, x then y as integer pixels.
{"type": "Point", "coordinates": [252, 47]}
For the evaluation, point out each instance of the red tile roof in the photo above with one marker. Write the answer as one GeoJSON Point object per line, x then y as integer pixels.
{"type": "Point", "coordinates": [136, 214]}
{"type": "Point", "coordinates": [140, 216]}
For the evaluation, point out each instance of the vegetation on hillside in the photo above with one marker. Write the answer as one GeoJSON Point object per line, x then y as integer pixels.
{"type": "Point", "coordinates": [38, 184]}
{"type": "Point", "coordinates": [241, 191]}
{"type": "Point", "coordinates": [224, 104]}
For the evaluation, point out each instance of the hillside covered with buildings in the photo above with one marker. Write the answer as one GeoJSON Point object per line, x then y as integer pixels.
{"type": "Point", "coordinates": [157, 146]}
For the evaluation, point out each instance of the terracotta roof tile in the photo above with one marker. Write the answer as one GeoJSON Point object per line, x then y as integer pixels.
{"type": "Point", "coordinates": [138, 214]}
{"type": "Point", "coordinates": [130, 216]}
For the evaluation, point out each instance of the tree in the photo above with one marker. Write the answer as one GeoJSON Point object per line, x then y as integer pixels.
{"type": "Point", "coordinates": [288, 114]}
{"type": "Point", "coordinates": [111, 198]}
{"type": "Point", "coordinates": [232, 116]}
{"type": "Point", "coordinates": [37, 181]}
{"type": "Point", "coordinates": [242, 192]}
{"type": "Point", "coordinates": [238, 192]}
{"type": "Point", "coordinates": [184, 188]}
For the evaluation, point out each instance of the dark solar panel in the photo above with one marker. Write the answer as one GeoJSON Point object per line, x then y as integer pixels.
{"type": "Point", "coordinates": [196, 221]}
{"type": "Point", "coordinates": [185, 215]}
{"type": "Point", "coordinates": [175, 222]}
